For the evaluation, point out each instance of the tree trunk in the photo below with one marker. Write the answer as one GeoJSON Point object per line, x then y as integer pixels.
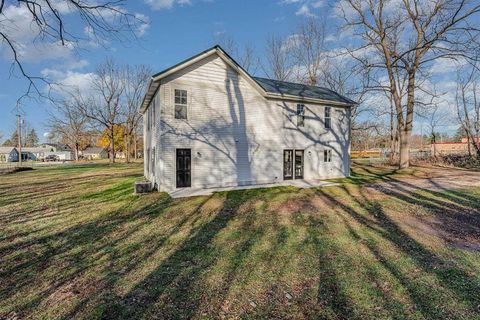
{"type": "Point", "coordinates": [393, 135]}
{"type": "Point", "coordinates": [127, 147]}
{"type": "Point", "coordinates": [404, 149]}
{"type": "Point", "coordinates": [135, 146]}
{"type": "Point", "coordinates": [112, 145]}
{"type": "Point", "coordinates": [76, 151]}
{"type": "Point", "coordinates": [406, 128]}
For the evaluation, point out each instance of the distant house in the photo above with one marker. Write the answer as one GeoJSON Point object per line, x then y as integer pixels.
{"type": "Point", "coordinates": [57, 147]}
{"type": "Point", "coordinates": [63, 152]}
{"type": "Point", "coordinates": [36, 153]}
{"type": "Point", "coordinates": [457, 147]}
{"type": "Point", "coordinates": [92, 153]}
{"type": "Point", "coordinates": [8, 154]}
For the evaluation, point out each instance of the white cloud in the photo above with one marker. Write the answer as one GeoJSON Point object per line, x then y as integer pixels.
{"type": "Point", "coordinates": [304, 10]}
{"type": "Point", "coordinates": [69, 81]}
{"type": "Point", "coordinates": [445, 65]}
{"type": "Point", "coordinates": [292, 41]}
{"type": "Point", "coordinates": [318, 4]}
{"type": "Point", "coordinates": [166, 4]}
{"type": "Point", "coordinates": [143, 25]}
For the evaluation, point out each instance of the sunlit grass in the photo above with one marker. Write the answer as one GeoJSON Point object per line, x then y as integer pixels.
{"type": "Point", "coordinates": [76, 243]}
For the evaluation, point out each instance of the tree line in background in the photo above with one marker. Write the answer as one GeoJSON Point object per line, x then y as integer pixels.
{"type": "Point", "coordinates": [108, 110]}
{"type": "Point", "coordinates": [393, 46]}
{"type": "Point", "coordinates": [385, 66]}
{"type": "Point", "coordinates": [29, 138]}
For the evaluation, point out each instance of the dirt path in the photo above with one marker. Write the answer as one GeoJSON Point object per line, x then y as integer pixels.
{"type": "Point", "coordinates": [436, 178]}
{"type": "Point", "coordinates": [454, 219]}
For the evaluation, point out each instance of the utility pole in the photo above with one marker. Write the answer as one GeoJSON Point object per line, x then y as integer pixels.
{"type": "Point", "coordinates": [19, 133]}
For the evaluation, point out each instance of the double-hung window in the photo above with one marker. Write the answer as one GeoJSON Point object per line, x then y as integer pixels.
{"type": "Point", "coordinates": [327, 118]}
{"type": "Point", "coordinates": [181, 104]}
{"type": "Point", "coordinates": [300, 115]}
{"type": "Point", "coordinates": [327, 155]}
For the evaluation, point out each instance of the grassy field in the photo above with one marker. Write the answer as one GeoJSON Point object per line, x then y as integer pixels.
{"type": "Point", "coordinates": [76, 243]}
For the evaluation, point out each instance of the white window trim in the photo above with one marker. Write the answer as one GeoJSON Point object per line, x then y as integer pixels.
{"type": "Point", "coordinates": [186, 88]}
{"type": "Point", "coordinates": [296, 114]}
{"type": "Point", "coordinates": [325, 117]}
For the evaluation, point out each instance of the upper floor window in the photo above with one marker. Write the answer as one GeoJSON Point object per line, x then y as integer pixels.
{"type": "Point", "coordinates": [328, 119]}
{"type": "Point", "coordinates": [181, 104]}
{"type": "Point", "coordinates": [300, 115]}
{"type": "Point", "coordinates": [327, 155]}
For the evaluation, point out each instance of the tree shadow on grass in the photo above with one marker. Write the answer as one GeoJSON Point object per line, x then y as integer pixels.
{"type": "Point", "coordinates": [170, 290]}
{"type": "Point", "coordinates": [76, 246]}
{"type": "Point", "coordinates": [451, 277]}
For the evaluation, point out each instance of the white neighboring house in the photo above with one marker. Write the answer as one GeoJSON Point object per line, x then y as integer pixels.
{"type": "Point", "coordinates": [208, 123]}
{"type": "Point", "coordinates": [63, 152]}
{"type": "Point", "coordinates": [93, 153]}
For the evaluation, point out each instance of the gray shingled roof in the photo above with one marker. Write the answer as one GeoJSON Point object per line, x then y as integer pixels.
{"type": "Point", "coordinates": [300, 90]}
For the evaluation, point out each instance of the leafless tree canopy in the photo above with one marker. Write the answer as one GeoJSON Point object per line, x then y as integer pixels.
{"type": "Point", "coordinates": [308, 47]}
{"type": "Point", "coordinates": [408, 35]}
{"type": "Point", "coordinates": [468, 106]}
{"type": "Point", "coordinates": [102, 20]}
{"type": "Point", "coordinates": [69, 123]}
{"type": "Point", "coordinates": [136, 79]}
{"type": "Point", "coordinates": [245, 55]}
{"type": "Point", "coordinates": [278, 56]}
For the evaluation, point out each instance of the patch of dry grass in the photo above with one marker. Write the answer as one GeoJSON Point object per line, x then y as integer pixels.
{"type": "Point", "coordinates": [75, 242]}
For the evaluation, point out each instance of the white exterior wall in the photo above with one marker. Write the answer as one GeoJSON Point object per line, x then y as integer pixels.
{"type": "Point", "coordinates": [237, 136]}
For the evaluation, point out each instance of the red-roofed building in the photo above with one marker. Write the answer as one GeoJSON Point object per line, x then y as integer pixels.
{"type": "Point", "coordinates": [457, 147]}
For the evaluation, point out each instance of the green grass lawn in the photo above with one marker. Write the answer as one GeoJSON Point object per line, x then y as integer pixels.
{"type": "Point", "coordinates": [76, 243]}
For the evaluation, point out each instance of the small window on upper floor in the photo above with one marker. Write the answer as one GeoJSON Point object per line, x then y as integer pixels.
{"type": "Point", "coordinates": [327, 118]}
{"type": "Point", "coordinates": [327, 155]}
{"type": "Point", "coordinates": [181, 104]}
{"type": "Point", "coordinates": [300, 115]}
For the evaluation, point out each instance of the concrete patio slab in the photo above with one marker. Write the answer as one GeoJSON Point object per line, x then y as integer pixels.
{"type": "Point", "coordinates": [303, 184]}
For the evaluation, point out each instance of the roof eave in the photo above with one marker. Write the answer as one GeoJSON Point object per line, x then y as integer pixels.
{"type": "Point", "coordinates": [307, 99]}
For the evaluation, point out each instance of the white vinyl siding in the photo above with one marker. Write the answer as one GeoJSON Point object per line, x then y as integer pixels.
{"type": "Point", "coordinates": [237, 136]}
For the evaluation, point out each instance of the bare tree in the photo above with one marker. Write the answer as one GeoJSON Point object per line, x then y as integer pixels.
{"type": "Point", "coordinates": [70, 123]}
{"type": "Point", "coordinates": [104, 106]}
{"type": "Point", "coordinates": [468, 108]}
{"type": "Point", "coordinates": [245, 56]}
{"type": "Point", "coordinates": [102, 19]}
{"type": "Point", "coordinates": [278, 57]}
{"type": "Point", "coordinates": [136, 79]}
{"type": "Point", "coordinates": [308, 48]}
{"type": "Point", "coordinates": [410, 35]}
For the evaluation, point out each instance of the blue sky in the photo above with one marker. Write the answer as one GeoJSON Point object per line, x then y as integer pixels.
{"type": "Point", "coordinates": [174, 33]}
{"type": "Point", "coordinates": [176, 30]}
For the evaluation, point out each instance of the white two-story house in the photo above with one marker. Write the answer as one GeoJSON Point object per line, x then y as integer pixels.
{"type": "Point", "coordinates": [208, 123]}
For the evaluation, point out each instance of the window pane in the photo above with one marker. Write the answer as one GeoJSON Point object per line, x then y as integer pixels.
{"type": "Point", "coordinates": [300, 115]}
{"type": "Point", "coordinates": [327, 112]}
{"type": "Point", "coordinates": [180, 96]}
{"type": "Point", "coordinates": [180, 112]}
{"type": "Point", "coordinates": [328, 123]}
{"type": "Point", "coordinates": [300, 109]}
{"type": "Point", "coordinates": [325, 155]}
